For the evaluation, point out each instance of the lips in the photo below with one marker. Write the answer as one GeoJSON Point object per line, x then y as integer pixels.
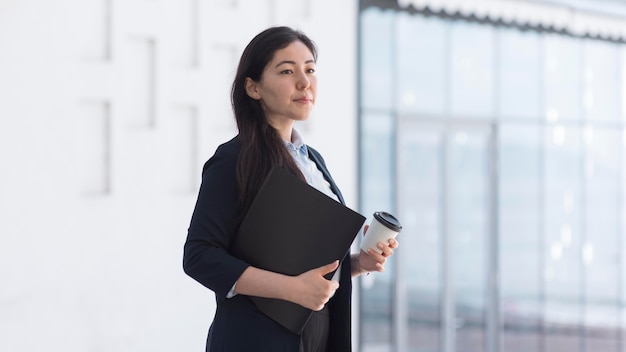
{"type": "Point", "coordinates": [303, 100]}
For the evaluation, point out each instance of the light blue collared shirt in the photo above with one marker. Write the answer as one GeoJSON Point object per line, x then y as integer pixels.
{"type": "Point", "coordinates": [312, 174]}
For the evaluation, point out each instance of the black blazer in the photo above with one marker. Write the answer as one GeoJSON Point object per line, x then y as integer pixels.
{"type": "Point", "coordinates": [238, 325]}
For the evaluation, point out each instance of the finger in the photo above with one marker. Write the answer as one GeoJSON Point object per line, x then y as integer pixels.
{"type": "Point", "coordinates": [386, 250]}
{"type": "Point", "coordinates": [329, 267]}
{"type": "Point", "coordinates": [365, 229]}
{"type": "Point", "coordinates": [378, 257]}
{"type": "Point", "coordinates": [393, 243]}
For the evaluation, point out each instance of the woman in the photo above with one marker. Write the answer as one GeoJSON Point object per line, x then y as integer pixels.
{"type": "Point", "coordinates": [275, 86]}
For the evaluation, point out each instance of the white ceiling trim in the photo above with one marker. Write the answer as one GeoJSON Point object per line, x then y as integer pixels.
{"type": "Point", "coordinates": [548, 16]}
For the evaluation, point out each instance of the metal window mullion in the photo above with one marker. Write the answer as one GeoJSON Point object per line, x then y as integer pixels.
{"type": "Point", "coordinates": [541, 194]}
{"type": "Point", "coordinates": [492, 292]}
{"type": "Point", "coordinates": [493, 308]}
{"type": "Point", "coordinates": [448, 310]}
{"type": "Point", "coordinates": [448, 320]}
{"type": "Point", "coordinates": [357, 296]}
{"type": "Point", "coordinates": [399, 302]}
{"type": "Point", "coordinates": [541, 234]}
{"type": "Point", "coordinates": [620, 244]}
{"type": "Point", "coordinates": [583, 212]}
{"type": "Point", "coordinates": [620, 220]}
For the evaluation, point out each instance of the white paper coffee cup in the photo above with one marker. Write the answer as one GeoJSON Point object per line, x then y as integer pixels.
{"type": "Point", "coordinates": [383, 227]}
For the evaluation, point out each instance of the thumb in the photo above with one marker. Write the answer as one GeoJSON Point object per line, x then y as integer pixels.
{"type": "Point", "coordinates": [329, 267]}
{"type": "Point", "coordinates": [365, 229]}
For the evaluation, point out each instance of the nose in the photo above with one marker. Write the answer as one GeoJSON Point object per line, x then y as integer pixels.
{"type": "Point", "coordinates": [303, 81]}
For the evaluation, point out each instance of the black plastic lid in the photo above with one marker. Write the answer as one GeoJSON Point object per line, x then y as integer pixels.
{"type": "Point", "coordinates": [388, 220]}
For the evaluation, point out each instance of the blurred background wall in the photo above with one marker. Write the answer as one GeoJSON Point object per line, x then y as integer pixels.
{"type": "Point", "coordinates": [108, 110]}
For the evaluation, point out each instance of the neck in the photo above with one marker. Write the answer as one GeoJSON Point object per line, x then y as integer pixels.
{"type": "Point", "coordinates": [284, 129]}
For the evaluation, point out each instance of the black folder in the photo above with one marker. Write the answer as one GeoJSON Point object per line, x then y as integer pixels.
{"type": "Point", "coordinates": [292, 228]}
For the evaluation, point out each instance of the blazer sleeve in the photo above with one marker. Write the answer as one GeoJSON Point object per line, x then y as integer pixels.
{"type": "Point", "coordinates": [214, 224]}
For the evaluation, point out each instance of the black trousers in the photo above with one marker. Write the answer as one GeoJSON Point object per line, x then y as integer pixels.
{"type": "Point", "coordinates": [314, 338]}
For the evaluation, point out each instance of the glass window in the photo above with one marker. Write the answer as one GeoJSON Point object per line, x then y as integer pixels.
{"type": "Point", "coordinates": [377, 155]}
{"type": "Point", "coordinates": [420, 179]}
{"type": "Point", "coordinates": [472, 74]}
{"type": "Point", "coordinates": [421, 72]}
{"type": "Point", "coordinates": [601, 254]}
{"type": "Point", "coordinates": [520, 241]}
{"type": "Point", "coordinates": [468, 218]}
{"type": "Point", "coordinates": [377, 162]}
{"type": "Point", "coordinates": [563, 204]}
{"type": "Point", "coordinates": [601, 80]}
{"type": "Point", "coordinates": [377, 29]}
{"type": "Point", "coordinates": [520, 74]}
{"type": "Point", "coordinates": [622, 63]}
{"type": "Point", "coordinates": [557, 103]}
{"type": "Point", "coordinates": [562, 77]}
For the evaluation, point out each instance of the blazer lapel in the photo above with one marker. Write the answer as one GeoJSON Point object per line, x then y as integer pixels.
{"type": "Point", "coordinates": [317, 158]}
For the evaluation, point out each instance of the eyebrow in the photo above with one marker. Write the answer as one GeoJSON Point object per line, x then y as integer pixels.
{"type": "Point", "coordinates": [293, 62]}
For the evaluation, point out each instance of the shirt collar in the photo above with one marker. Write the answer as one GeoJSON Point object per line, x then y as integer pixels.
{"type": "Point", "coordinates": [297, 144]}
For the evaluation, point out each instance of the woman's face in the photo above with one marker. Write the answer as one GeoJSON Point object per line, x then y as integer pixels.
{"type": "Point", "coordinates": [288, 86]}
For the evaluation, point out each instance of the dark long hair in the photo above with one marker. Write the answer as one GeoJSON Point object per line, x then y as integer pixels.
{"type": "Point", "coordinates": [261, 145]}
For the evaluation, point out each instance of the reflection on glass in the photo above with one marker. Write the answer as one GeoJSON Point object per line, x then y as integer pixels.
{"type": "Point", "coordinates": [563, 204]}
{"type": "Point", "coordinates": [601, 79]}
{"type": "Point", "coordinates": [420, 70]}
{"type": "Point", "coordinates": [520, 244]}
{"type": "Point", "coordinates": [420, 179]}
{"type": "Point", "coordinates": [468, 214]}
{"type": "Point", "coordinates": [601, 254]}
{"type": "Point", "coordinates": [562, 78]}
{"type": "Point", "coordinates": [376, 194]}
{"type": "Point", "coordinates": [472, 71]}
{"type": "Point", "coordinates": [376, 59]}
{"type": "Point", "coordinates": [519, 74]}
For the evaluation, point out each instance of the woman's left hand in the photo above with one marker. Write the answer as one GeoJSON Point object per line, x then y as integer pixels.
{"type": "Point", "coordinates": [374, 261]}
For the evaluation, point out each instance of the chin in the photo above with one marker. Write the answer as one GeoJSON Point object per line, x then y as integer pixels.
{"type": "Point", "coordinates": [301, 118]}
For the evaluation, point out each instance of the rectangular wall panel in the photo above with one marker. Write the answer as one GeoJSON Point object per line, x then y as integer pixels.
{"type": "Point", "coordinates": [140, 83]}
{"type": "Point", "coordinates": [225, 3]}
{"type": "Point", "coordinates": [183, 46]}
{"type": "Point", "coordinates": [94, 148]}
{"type": "Point", "coordinates": [96, 29]}
{"type": "Point", "coordinates": [292, 9]}
{"type": "Point", "coordinates": [222, 69]}
{"type": "Point", "coordinates": [180, 149]}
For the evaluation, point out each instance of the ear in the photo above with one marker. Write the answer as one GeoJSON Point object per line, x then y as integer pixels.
{"type": "Point", "coordinates": [252, 89]}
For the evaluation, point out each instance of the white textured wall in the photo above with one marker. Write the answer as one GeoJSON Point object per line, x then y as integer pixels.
{"type": "Point", "coordinates": [108, 109]}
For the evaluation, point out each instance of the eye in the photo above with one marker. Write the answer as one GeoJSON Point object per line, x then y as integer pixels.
{"type": "Point", "coordinates": [286, 72]}
{"type": "Point", "coordinates": [310, 70]}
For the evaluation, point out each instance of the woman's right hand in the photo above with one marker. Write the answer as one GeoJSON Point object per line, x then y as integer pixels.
{"type": "Point", "coordinates": [312, 289]}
